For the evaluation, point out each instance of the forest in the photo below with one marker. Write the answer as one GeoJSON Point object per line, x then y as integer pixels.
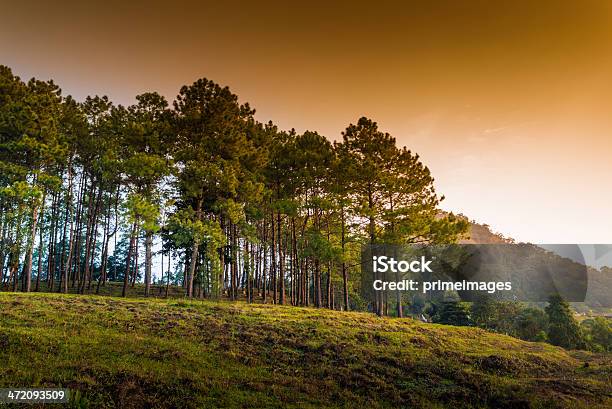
{"type": "Point", "coordinates": [199, 194]}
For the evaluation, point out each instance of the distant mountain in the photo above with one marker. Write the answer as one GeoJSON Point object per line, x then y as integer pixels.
{"type": "Point", "coordinates": [563, 256]}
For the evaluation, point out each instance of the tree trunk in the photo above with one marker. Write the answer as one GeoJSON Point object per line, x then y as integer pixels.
{"type": "Point", "coordinates": [318, 301]}
{"type": "Point", "coordinates": [40, 251]}
{"type": "Point", "coordinates": [126, 278]}
{"type": "Point", "coordinates": [65, 269]}
{"type": "Point", "coordinates": [264, 271]}
{"type": "Point", "coordinates": [273, 262]}
{"type": "Point", "coordinates": [344, 272]}
{"type": "Point", "coordinates": [281, 259]}
{"type": "Point", "coordinates": [28, 269]}
{"type": "Point", "coordinates": [148, 261]}
{"type": "Point", "coordinates": [69, 259]}
{"type": "Point", "coordinates": [168, 279]}
{"type": "Point", "coordinates": [194, 252]}
{"type": "Point", "coordinates": [378, 305]}
{"type": "Point", "coordinates": [192, 267]}
{"type": "Point", "coordinates": [234, 273]}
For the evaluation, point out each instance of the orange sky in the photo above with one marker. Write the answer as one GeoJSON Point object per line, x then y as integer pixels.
{"type": "Point", "coordinates": [508, 102]}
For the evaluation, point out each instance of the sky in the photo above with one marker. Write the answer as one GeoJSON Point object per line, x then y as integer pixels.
{"type": "Point", "coordinates": [509, 103]}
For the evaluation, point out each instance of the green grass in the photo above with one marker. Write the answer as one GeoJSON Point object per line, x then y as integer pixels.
{"type": "Point", "coordinates": [173, 353]}
{"type": "Point", "coordinates": [115, 288]}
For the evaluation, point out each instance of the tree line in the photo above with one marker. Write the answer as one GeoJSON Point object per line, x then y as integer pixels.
{"type": "Point", "coordinates": [555, 323]}
{"type": "Point", "coordinates": [233, 207]}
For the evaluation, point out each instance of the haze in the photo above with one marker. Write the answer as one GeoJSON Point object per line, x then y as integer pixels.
{"type": "Point", "coordinates": [508, 103]}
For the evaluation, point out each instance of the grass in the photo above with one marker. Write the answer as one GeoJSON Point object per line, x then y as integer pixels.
{"type": "Point", "coordinates": [115, 288]}
{"type": "Point", "coordinates": [175, 353]}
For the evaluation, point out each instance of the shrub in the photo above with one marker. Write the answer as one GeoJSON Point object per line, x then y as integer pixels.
{"type": "Point", "coordinates": [598, 334]}
{"type": "Point", "coordinates": [531, 324]}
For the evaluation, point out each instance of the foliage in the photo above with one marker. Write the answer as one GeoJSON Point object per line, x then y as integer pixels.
{"type": "Point", "coordinates": [452, 312]}
{"type": "Point", "coordinates": [563, 329]}
{"type": "Point", "coordinates": [598, 333]}
{"type": "Point", "coordinates": [286, 213]}
{"type": "Point", "coordinates": [531, 324]}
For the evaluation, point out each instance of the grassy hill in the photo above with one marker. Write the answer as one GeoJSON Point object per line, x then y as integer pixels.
{"type": "Point", "coordinates": [140, 353]}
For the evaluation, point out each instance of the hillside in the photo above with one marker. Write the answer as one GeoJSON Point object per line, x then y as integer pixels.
{"type": "Point", "coordinates": [139, 353]}
{"type": "Point", "coordinates": [599, 284]}
{"type": "Point", "coordinates": [482, 234]}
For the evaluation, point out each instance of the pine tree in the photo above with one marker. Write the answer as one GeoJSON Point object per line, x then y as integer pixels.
{"type": "Point", "coordinates": [146, 142]}
{"type": "Point", "coordinates": [452, 313]}
{"type": "Point", "coordinates": [211, 148]}
{"type": "Point", "coordinates": [394, 192]}
{"type": "Point", "coordinates": [563, 329]}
